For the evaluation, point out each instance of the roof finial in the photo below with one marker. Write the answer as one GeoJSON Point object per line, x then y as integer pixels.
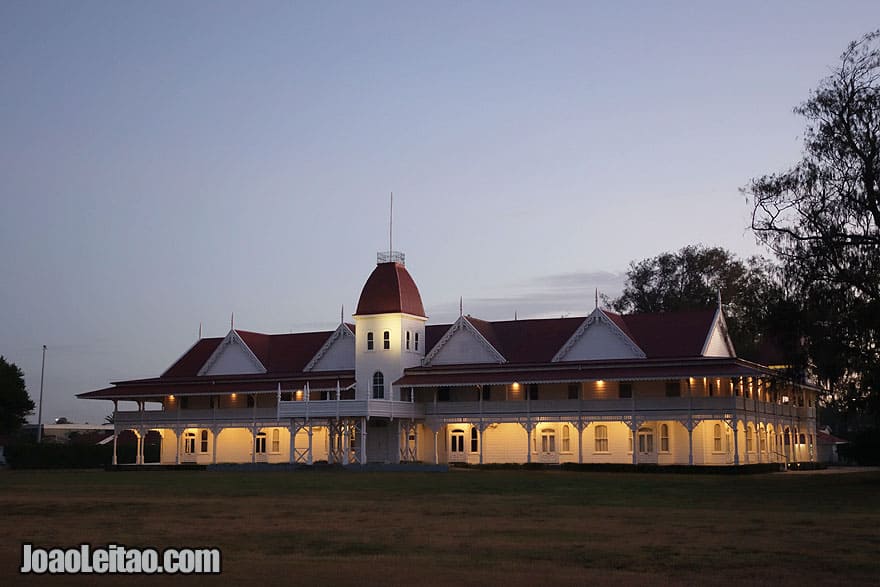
{"type": "Point", "coordinates": [232, 321]}
{"type": "Point", "coordinates": [719, 299]}
{"type": "Point", "coordinates": [514, 315]}
{"type": "Point", "coordinates": [597, 298]}
{"type": "Point", "coordinates": [460, 306]}
{"type": "Point", "coordinates": [391, 226]}
{"type": "Point", "coordinates": [200, 331]}
{"type": "Point", "coordinates": [342, 314]}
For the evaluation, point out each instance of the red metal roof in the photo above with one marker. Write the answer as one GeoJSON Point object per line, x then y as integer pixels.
{"type": "Point", "coordinates": [670, 334]}
{"type": "Point", "coordinates": [390, 288]}
{"type": "Point", "coordinates": [193, 359]}
{"type": "Point", "coordinates": [284, 353]}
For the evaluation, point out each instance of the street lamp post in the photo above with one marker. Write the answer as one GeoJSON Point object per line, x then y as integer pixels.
{"type": "Point", "coordinates": [40, 410]}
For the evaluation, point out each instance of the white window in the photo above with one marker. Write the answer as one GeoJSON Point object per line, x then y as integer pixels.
{"type": "Point", "coordinates": [386, 340]}
{"type": "Point", "coordinates": [276, 440]}
{"type": "Point", "coordinates": [566, 438]}
{"type": "Point", "coordinates": [407, 339]}
{"type": "Point", "coordinates": [601, 436]}
{"type": "Point", "coordinates": [417, 341]}
{"type": "Point", "coordinates": [378, 385]}
{"type": "Point", "coordinates": [475, 440]}
{"type": "Point", "coordinates": [750, 444]}
{"type": "Point", "coordinates": [716, 438]}
{"type": "Point", "coordinates": [260, 443]}
{"type": "Point", "coordinates": [369, 341]}
{"type": "Point", "coordinates": [189, 443]}
{"type": "Point", "coordinates": [664, 438]}
{"type": "Point", "coordinates": [203, 442]}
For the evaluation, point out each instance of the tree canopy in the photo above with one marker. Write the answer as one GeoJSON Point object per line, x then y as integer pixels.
{"type": "Point", "coordinates": [694, 277]}
{"type": "Point", "coordinates": [15, 404]}
{"type": "Point", "coordinates": [821, 218]}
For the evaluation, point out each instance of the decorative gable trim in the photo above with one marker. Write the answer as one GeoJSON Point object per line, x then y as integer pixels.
{"type": "Point", "coordinates": [231, 339]}
{"type": "Point", "coordinates": [462, 324]}
{"type": "Point", "coordinates": [596, 316]}
{"type": "Point", "coordinates": [341, 332]}
{"type": "Point", "coordinates": [718, 324]}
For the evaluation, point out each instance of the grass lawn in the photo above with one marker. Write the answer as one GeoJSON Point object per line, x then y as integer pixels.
{"type": "Point", "coordinates": [461, 527]}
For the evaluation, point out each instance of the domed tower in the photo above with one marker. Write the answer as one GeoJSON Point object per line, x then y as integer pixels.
{"type": "Point", "coordinates": [389, 327]}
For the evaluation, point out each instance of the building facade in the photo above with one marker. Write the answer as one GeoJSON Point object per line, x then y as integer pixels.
{"type": "Point", "coordinates": [663, 388]}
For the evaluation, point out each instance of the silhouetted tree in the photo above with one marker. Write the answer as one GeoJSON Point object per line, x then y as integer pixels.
{"type": "Point", "coordinates": [15, 404]}
{"type": "Point", "coordinates": [822, 220]}
{"type": "Point", "coordinates": [751, 293]}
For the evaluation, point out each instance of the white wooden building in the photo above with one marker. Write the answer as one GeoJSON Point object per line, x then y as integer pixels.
{"type": "Point", "coordinates": [662, 388]}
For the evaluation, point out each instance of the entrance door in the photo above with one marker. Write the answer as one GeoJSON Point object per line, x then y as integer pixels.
{"type": "Point", "coordinates": [647, 451]}
{"type": "Point", "coordinates": [456, 446]}
{"type": "Point", "coordinates": [548, 446]}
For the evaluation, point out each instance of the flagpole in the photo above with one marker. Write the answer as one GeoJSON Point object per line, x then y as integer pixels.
{"type": "Point", "coordinates": [40, 411]}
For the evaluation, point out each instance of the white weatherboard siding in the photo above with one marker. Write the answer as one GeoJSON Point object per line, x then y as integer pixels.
{"type": "Point", "coordinates": [391, 362]}
{"type": "Point", "coordinates": [717, 346]}
{"type": "Point", "coordinates": [339, 356]}
{"type": "Point", "coordinates": [464, 346]}
{"type": "Point", "coordinates": [600, 340]}
{"type": "Point", "coordinates": [232, 358]}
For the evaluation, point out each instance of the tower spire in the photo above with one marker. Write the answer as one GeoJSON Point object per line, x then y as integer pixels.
{"type": "Point", "coordinates": [391, 225]}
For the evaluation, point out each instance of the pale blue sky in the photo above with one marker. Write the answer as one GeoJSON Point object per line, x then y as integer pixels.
{"type": "Point", "coordinates": [163, 164]}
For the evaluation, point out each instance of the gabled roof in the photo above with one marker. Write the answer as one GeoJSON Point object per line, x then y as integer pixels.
{"type": "Point", "coordinates": [390, 289]}
{"type": "Point", "coordinates": [279, 353]}
{"type": "Point", "coordinates": [479, 330]}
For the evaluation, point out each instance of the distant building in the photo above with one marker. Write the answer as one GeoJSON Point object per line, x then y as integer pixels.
{"type": "Point", "coordinates": [828, 446]}
{"type": "Point", "coordinates": [66, 433]}
{"type": "Point", "coordinates": [604, 388]}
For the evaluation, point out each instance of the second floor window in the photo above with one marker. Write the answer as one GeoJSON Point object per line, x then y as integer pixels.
{"type": "Point", "coordinates": [533, 391]}
{"type": "Point", "coordinates": [673, 389]}
{"type": "Point", "coordinates": [369, 341]}
{"type": "Point", "coordinates": [625, 390]}
{"type": "Point", "coordinates": [408, 334]}
{"type": "Point", "coordinates": [417, 341]}
{"type": "Point", "coordinates": [386, 340]}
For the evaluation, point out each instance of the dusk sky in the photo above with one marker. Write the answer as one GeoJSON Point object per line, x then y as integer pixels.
{"type": "Point", "coordinates": [164, 164]}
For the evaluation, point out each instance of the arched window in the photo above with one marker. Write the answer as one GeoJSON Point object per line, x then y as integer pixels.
{"type": "Point", "coordinates": [566, 438]}
{"type": "Point", "coordinates": [203, 441]}
{"type": "Point", "coordinates": [378, 385]}
{"type": "Point", "coordinates": [475, 440]}
{"type": "Point", "coordinates": [750, 445]}
{"type": "Point", "coordinates": [716, 438]}
{"type": "Point", "coordinates": [276, 440]}
{"type": "Point", "coordinates": [189, 443]}
{"type": "Point", "coordinates": [260, 443]}
{"type": "Point", "coordinates": [664, 438]}
{"type": "Point", "coordinates": [601, 436]}
{"type": "Point", "coordinates": [369, 341]}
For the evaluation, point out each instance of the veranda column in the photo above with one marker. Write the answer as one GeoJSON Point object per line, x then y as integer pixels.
{"type": "Point", "coordinates": [634, 433]}
{"type": "Point", "coordinates": [580, 442]}
{"type": "Point", "coordinates": [396, 446]}
{"type": "Point", "coordinates": [363, 447]}
{"type": "Point", "coordinates": [529, 440]}
{"type": "Point", "coordinates": [346, 442]}
{"type": "Point", "coordinates": [176, 431]}
{"type": "Point", "coordinates": [253, 444]}
{"type": "Point", "coordinates": [736, 443]}
{"type": "Point", "coordinates": [309, 459]}
{"type": "Point", "coordinates": [292, 430]}
{"type": "Point", "coordinates": [115, 432]}
{"type": "Point", "coordinates": [690, 428]}
{"type": "Point", "coordinates": [480, 439]}
{"type": "Point", "coordinates": [436, 451]}
{"type": "Point", "coordinates": [215, 433]}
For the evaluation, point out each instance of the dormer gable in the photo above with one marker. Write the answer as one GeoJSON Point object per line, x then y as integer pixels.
{"type": "Point", "coordinates": [463, 344]}
{"type": "Point", "coordinates": [718, 343]}
{"type": "Point", "coordinates": [337, 353]}
{"type": "Point", "coordinates": [598, 338]}
{"type": "Point", "coordinates": [232, 357]}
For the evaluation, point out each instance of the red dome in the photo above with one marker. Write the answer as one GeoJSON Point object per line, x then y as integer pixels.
{"type": "Point", "coordinates": [390, 289]}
